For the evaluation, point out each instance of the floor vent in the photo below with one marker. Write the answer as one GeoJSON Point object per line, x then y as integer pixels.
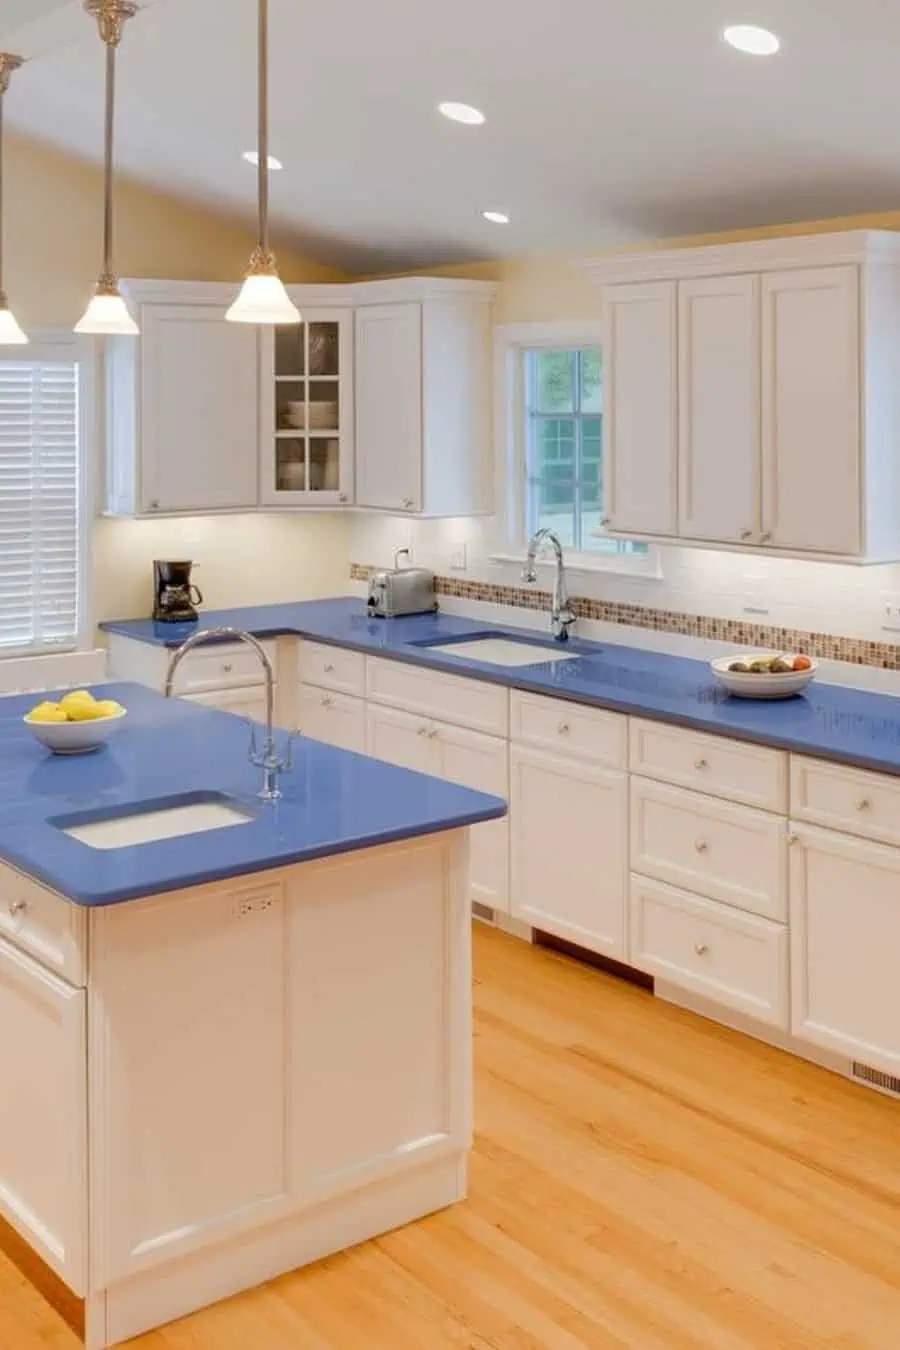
{"type": "Point", "coordinates": [885, 1082]}
{"type": "Point", "coordinates": [483, 912]}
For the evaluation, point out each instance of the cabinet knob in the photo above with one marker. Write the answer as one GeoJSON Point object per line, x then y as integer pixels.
{"type": "Point", "coordinates": [863, 804]}
{"type": "Point", "coordinates": [766, 538]}
{"type": "Point", "coordinates": [329, 669]}
{"type": "Point", "coordinates": [701, 948]}
{"type": "Point", "coordinates": [607, 520]}
{"type": "Point", "coordinates": [432, 733]}
{"type": "Point", "coordinates": [17, 907]}
{"type": "Point", "coordinates": [326, 701]}
{"type": "Point", "coordinates": [701, 846]}
{"type": "Point", "coordinates": [154, 505]}
{"type": "Point", "coordinates": [422, 731]}
{"type": "Point", "coordinates": [563, 728]}
{"type": "Point", "coordinates": [408, 503]}
{"type": "Point", "coordinates": [746, 534]}
{"type": "Point", "coordinates": [227, 667]}
{"type": "Point", "coordinates": [342, 497]}
{"type": "Point", "coordinates": [793, 839]}
{"type": "Point", "coordinates": [701, 764]}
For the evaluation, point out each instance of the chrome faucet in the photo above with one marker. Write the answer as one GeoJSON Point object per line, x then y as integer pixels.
{"type": "Point", "coordinates": [562, 617]}
{"type": "Point", "coordinates": [267, 758]}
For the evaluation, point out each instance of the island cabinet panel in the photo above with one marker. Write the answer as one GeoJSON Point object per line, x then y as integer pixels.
{"type": "Point", "coordinates": [379, 1016]}
{"type": "Point", "coordinates": [188, 1106]}
{"type": "Point", "coordinates": [43, 1113]}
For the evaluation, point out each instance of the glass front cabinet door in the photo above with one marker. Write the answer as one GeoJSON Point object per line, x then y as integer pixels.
{"type": "Point", "coordinates": [307, 411]}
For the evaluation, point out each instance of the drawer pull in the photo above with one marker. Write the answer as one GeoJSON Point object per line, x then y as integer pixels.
{"type": "Point", "coordinates": [701, 948]}
{"type": "Point", "coordinates": [563, 728]}
{"type": "Point", "coordinates": [863, 804]}
{"type": "Point", "coordinates": [422, 731]}
{"type": "Point", "coordinates": [701, 846]}
{"type": "Point", "coordinates": [432, 733]}
{"type": "Point", "coordinates": [701, 764]}
{"type": "Point", "coordinates": [793, 839]}
{"type": "Point", "coordinates": [329, 669]}
{"type": "Point", "coordinates": [227, 667]}
{"type": "Point", "coordinates": [326, 701]}
{"type": "Point", "coordinates": [17, 907]}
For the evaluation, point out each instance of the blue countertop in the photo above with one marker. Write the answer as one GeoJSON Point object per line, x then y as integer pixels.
{"type": "Point", "coordinates": [334, 801]}
{"type": "Point", "coordinates": [828, 721]}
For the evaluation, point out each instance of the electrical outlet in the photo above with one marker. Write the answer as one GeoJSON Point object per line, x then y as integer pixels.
{"type": "Point", "coordinates": [258, 903]}
{"type": "Point", "coordinates": [458, 559]}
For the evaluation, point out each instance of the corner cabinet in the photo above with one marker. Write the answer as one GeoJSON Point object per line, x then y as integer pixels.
{"type": "Point", "coordinates": [751, 399]}
{"type": "Point", "coordinates": [182, 404]}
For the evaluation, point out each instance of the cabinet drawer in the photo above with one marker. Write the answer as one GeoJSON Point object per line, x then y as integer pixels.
{"type": "Point", "coordinates": [569, 729]}
{"type": "Point", "coordinates": [48, 927]}
{"type": "Point", "coordinates": [332, 668]}
{"type": "Point", "coordinates": [716, 765]}
{"type": "Point", "coordinates": [729, 853]}
{"type": "Point", "coordinates": [451, 698]}
{"type": "Point", "coordinates": [225, 665]}
{"type": "Point", "coordinates": [734, 959]}
{"type": "Point", "coordinates": [843, 798]}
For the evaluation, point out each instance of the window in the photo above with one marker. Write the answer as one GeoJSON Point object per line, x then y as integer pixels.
{"type": "Point", "coordinates": [40, 489]}
{"type": "Point", "coordinates": [551, 379]}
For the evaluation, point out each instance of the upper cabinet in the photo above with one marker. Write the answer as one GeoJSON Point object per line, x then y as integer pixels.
{"type": "Point", "coordinates": [752, 398]}
{"type": "Point", "coordinates": [423, 396]}
{"type": "Point", "coordinates": [380, 399]}
{"type": "Point", "coordinates": [183, 406]}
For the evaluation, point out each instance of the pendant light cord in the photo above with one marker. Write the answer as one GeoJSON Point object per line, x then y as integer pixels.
{"type": "Point", "coordinates": [108, 161]}
{"type": "Point", "coordinates": [263, 91]}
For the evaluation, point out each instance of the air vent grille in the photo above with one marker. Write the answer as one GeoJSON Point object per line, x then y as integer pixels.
{"type": "Point", "coordinates": [483, 912]}
{"type": "Point", "coordinates": [887, 1082]}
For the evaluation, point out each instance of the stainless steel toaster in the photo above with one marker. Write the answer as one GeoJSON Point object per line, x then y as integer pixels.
{"type": "Point", "coordinates": [401, 590]}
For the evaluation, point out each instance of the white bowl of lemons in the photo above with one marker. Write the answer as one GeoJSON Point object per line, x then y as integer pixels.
{"type": "Point", "coordinates": [77, 724]}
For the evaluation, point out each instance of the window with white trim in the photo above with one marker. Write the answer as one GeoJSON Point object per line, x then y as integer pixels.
{"type": "Point", "coordinates": [41, 453]}
{"type": "Point", "coordinates": [554, 405]}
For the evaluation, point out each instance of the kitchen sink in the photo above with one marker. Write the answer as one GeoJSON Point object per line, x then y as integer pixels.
{"type": "Point", "coordinates": [504, 651]}
{"type": "Point", "coordinates": [150, 822]}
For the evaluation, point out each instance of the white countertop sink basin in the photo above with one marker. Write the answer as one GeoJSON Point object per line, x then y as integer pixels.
{"type": "Point", "coordinates": [170, 822]}
{"type": "Point", "coordinates": [504, 651]}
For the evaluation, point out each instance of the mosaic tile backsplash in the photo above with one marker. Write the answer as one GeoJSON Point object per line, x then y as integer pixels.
{"type": "Point", "coordinates": [826, 646]}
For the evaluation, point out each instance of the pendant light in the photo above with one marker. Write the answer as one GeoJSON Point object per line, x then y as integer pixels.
{"type": "Point", "coordinates": [107, 314]}
{"type": "Point", "coordinates": [10, 332]}
{"type": "Point", "coordinates": [263, 298]}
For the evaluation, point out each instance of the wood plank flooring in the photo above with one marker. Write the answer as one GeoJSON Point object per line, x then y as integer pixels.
{"type": "Point", "coordinates": [642, 1180]}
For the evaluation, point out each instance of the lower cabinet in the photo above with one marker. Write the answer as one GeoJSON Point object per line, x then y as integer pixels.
{"type": "Point", "coordinates": [249, 703]}
{"type": "Point", "coordinates": [469, 758]}
{"type": "Point", "coordinates": [337, 719]}
{"type": "Point", "coordinates": [43, 1113]}
{"type": "Point", "coordinates": [735, 959]}
{"type": "Point", "coordinates": [569, 846]}
{"type": "Point", "coordinates": [845, 935]}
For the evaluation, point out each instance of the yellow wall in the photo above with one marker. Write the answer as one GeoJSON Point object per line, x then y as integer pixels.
{"type": "Point", "coordinates": [53, 255]}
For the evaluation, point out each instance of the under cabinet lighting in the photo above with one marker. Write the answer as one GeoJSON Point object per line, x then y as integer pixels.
{"type": "Point", "coordinates": [463, 112]}
{"type": "Point", "coordinates": [754, 41]}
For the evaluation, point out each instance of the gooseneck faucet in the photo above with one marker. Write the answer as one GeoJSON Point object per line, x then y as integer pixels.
{"type": "Point", "coordinates": [267, 759]}
{"type": "Point", "coordinates": [562, 616]}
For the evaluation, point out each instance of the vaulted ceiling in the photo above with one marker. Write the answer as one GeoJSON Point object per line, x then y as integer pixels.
{"type": "Point", "coordinates": [608, 121]}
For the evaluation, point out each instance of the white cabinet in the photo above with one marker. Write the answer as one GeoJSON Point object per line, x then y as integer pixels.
{"type": "Point", "coordinates": [43, 1113]}
{"type": "Point", "coordinates": [423, 415]}
{"type": "Point", "coordinates": [337, 719]}
{"type": "Point", "coordinates": [718, 409]}
{"type": "Point", "coordinates": [845, 935]}
{"type": "Point", "coordinates": [183, 415]}
{"type": "Point", "coordinates": [569, 840]}
{"type": "Point", "coordinates": [811, 439]}
{"type": "Point", "coordinates": [249, 703]}
{"type": "Point", "coordinates": [640, 426]}
{"type": "Point", "coordinates": [306, 410]}
{"type": "Point", "coordinates": [401, 738]}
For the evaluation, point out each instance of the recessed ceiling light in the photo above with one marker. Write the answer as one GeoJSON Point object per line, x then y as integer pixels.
{"type": "Point", "coordinates": [746, 37]}
{"type": "Point", "coordinates": [462, 112]}
{"type": "Point", "coordinates": [496, 217]}
{"type": "Point", "coordinates": [252, 157]}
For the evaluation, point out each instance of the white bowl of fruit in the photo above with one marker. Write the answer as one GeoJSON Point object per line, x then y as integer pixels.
{"type": "Point", "coordinates": [77, 724]}
{"type": "Point", "coordinates": [764, 674]}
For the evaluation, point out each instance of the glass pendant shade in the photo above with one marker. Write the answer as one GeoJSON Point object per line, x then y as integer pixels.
{"type": "Point", "coordinates": [11, 334]}
{"type": "Point", "coordinates": [107, 316]}
{"type": "Point", "coordinates": [263, 300]}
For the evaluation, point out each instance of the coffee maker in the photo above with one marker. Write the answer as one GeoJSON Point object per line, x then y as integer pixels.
{"type": "Point", "coordinates": [174, 594]}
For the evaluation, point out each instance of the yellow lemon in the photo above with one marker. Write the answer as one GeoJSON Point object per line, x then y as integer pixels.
{"type": "Point", "coordinates": [48, 712]}
{"type": "Point", "coordinates": [84, 711]}
{"type": "Point", "coordinates": [76, 699]}
{"type": "Point", "coordinates": [107, 707]}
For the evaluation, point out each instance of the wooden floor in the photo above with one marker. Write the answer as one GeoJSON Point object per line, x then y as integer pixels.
{"type": "Point", "coordinates": [641, 1179]}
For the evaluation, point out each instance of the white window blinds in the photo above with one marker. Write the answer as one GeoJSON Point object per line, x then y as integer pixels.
{"type": "Point", "coordinates": [39, 502]}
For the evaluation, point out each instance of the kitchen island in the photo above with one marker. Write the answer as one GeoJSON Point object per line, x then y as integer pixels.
{"type": "Point", "coordinates": [229, 1052]}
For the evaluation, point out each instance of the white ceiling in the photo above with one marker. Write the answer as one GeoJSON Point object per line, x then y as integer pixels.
{"type": "Point", "coordinates": [609, 121]}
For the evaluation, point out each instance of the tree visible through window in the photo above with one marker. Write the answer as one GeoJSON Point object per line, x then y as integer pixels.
{"type": "Point", "coordinates": [564, 444]}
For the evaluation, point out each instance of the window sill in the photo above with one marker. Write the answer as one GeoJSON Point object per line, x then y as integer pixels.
{"type": "Point", "coordinates": [640, 569]}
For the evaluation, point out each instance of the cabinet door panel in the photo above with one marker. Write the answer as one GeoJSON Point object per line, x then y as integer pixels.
{"type": "Point", "coordinates": [811, 437]}
{"type": "Point", "coordinates": [389, 407]}
{"type": "Point", "coordinates": [249, 703]}
{"type": "Point", "coordinates": [718, 401]}
{"type": "Point", "coordinates": [402, 738]}
{"type": "Point", "coordinates": [43, 1112]}
{"type": "Point", "coordinates": [569, 829]}
{"type": "Point", "coordinates": [845, 934]}
{"type": "Point", "coordinates": [640, 431]}
{"type": "Point", "coordinates": [337, 719]}
{"type": "Point", "coordinates": [199, 410]}
{"type": "Point", "coordinates": [481, 762]}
